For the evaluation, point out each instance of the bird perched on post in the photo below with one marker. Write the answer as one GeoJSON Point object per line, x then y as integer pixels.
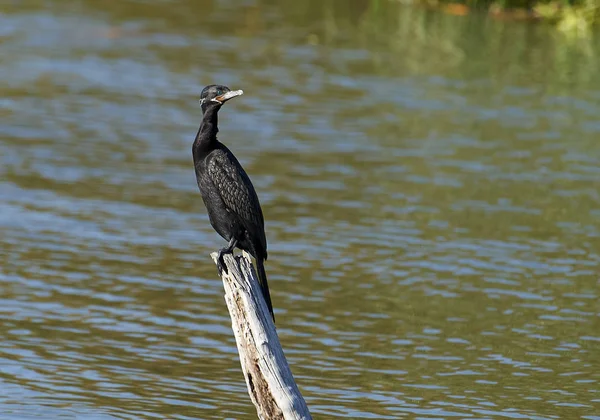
{"type": "Point", "coordinates": [228, 194]}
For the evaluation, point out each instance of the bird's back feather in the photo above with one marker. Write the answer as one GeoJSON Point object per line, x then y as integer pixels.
{"type": "Point", "coordinates": [238, 194]}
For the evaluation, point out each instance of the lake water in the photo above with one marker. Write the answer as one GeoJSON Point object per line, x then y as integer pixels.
{"type": "Point", "coordinates": [430, 185]}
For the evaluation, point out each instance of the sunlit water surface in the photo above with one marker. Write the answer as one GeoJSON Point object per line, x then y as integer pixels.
{"type": "Point", "coordinates": [429, 182]}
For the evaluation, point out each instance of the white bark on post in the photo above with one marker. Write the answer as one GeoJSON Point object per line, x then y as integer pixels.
{"type": "Point", "coordinates": [271, 385]}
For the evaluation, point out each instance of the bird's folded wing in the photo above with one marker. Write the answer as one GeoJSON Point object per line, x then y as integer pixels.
{"type": "Point", "coordinates": [236, 190]}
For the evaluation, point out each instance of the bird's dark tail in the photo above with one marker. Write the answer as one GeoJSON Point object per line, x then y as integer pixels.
{"type": "Point", "coordinates": [262, 279]}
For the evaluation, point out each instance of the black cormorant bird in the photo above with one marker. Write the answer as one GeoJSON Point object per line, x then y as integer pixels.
{"type": "Point", "coordinates": [230, 199]}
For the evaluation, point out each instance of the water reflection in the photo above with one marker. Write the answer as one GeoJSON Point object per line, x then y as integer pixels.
{"type": "Point", "coordinates": [428, 183]}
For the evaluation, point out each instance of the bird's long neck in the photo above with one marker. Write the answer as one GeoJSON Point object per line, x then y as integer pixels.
{"type": "Point", "coordinates": [206, 138]}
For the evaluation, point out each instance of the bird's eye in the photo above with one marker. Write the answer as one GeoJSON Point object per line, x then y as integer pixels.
{"type": "Point", "coordinates": [219, 92]}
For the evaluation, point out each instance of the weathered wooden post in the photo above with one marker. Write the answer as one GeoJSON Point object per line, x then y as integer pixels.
{"type": "Point", "coordinates": [271, 385]}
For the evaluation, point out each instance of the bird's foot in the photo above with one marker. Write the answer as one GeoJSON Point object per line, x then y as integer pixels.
{"type": "Point", "coordinates": [221, 261]}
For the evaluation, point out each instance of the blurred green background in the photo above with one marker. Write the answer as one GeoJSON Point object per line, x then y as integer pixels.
{"type": "Point", "coordinates": [429, 178]}
{"type": "Point", "coordinates": [574, 18]}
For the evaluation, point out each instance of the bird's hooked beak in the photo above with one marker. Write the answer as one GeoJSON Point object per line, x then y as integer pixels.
{"type": "Point", "coordinates": [227, 96]}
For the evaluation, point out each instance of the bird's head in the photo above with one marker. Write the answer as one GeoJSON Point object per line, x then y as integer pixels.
{"type": "Point", "coordinates": [217, 95]}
